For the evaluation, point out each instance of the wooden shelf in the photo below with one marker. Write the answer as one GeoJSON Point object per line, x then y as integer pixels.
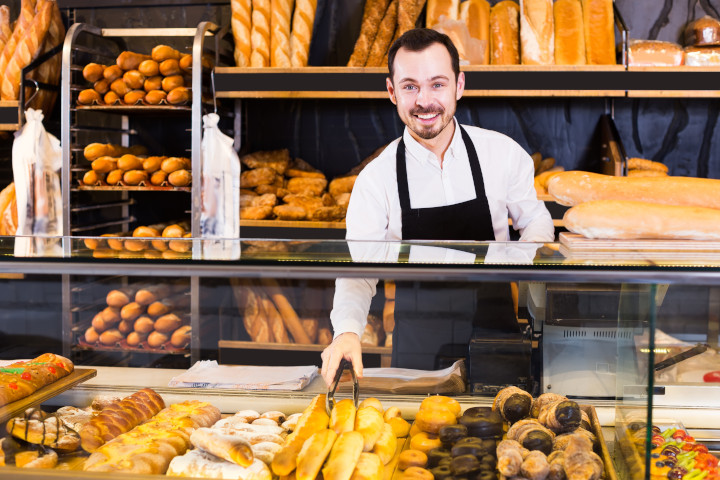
{"type": "Point", "coordinates": [9, 116]}
{"type": "Point", "coordinates": [296, 347]}
{"type": "Point", "coordinates": [480, 81]}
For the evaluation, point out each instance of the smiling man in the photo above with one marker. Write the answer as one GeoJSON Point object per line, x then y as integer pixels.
{"type": "Point", "coordinates": [439, 181]}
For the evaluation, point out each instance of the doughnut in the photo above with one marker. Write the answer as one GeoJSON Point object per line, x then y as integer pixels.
{"type": "Point", "coordinates": [425, 442]}
{"type": "Point", "coordinates": [441, 472]}
{"type": "Point", "coordinates": [449, 434]}
{"type": "Point", "coordinates": [478, 411]}
{"type": "Point", "coordinates": [411, 458]}
{"type": "Point", "coordinates": [435, 455]}
{"type": "Point", "coordinates": [391, 412]}
{"type": "Point", "coordinates": [468, 446]}
{"type": "Point", "coordinates": [464, 464]}
{"type": "Point", "coordinates": [442, 401]}
{"type": "Point", "coordinates": [432, 420]}
{"type": "Point", "coordinates": [416, 473]}
{"type": "Point", "coordinates": [400, 426]}
{"type": "Point", "coordinates": [414, 430]}
{"type": "Point", "coordinates": [484, 426]}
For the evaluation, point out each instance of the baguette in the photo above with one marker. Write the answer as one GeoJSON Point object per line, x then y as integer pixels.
{"type": "Point", "coordinates": [622, 219]}
{"type": "Point", "coordinates": [129, 162]}
{"type": "Point", "coordinates": [275, 322]}
{"type": "Point", "coordinates": [302, 30]}
{"type": "Point", "coordinates": [598, 21]}
{"type": "Point", "coordinates": [645, 164]}
{"type": "Point", "coordinates": [476, 15]}
{"type": "Point", "coordinates": [435, 8]}
{"type": "Point", "coordinates": [289, 316]}
{"type": "Point", "coordinates": [280, 16]}
{"type": "Point", "coordinates": [384, 36]}
{"type": "Point", "coordinates": [344, 456]}
{"type": "Point", "coordinates": [22, 26]}
{"type": "Point", "coordinates": [373, 13]}
{"type": "Point", "coordinates": [5, 30]}
{"type": "Point", "coordinates": [260, 34]}
{"type": "Point", "coordinates": [313, 454]}
{"type": "Point", "coordinates": [151, 294]}
{"type": "Point", "coordinates": [313, 419]}
{"type": "Point", "coordinates": [241, 23]}
{"type": "Point", "coordinates": [369, 467]}
{"type": "Point", "coordinates": [537, 32]}
{"type": "Point", "coordinates": [569, 33]}
{"type": "Point", "coordinates": [574, 187]}
{"type": "Point", "coordinates": [111, 337]}
{"type": "Point", "coordinates": [504, 33]}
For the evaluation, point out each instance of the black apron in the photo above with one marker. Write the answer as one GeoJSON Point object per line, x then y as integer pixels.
{"type": "Point", "coordinates": [432, 318]}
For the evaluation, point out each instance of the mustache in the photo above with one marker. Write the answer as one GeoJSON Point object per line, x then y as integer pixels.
{"type": "Point", "coordinates": [425, 111]}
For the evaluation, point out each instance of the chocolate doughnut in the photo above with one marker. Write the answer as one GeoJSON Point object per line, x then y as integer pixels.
{"type": "Point", "coordinates": [478, 411]}
{"type": "Point", "coordinates": [449, 434]}
{"type": "Point", "coordinates": [483, 426]}
{"type": "Point", "coordinates": [441, 472]}
{"type": "Point", "coordinates": [435, 455]}
{"type": "Point", "coordinates": [486, 475]}
{"type": "Point", "coordinates": [464, 464]}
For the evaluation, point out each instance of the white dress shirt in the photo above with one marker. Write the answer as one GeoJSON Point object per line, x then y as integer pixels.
{"type": "Point", "coordinates": [374, 212]}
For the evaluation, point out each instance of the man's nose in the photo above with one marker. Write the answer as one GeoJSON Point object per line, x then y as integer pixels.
{"type": "Point", "coordinates": [423, 97]}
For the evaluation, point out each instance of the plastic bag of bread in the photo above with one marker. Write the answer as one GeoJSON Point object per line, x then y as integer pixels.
{"type": "Point", "coordinates": [219, 217]}
{"type": "Point", "coordinates": [471, 50]}
{"type": "Point", "coordinates": [36, 159]}
{"type": "Point", "coordinates": [654, 53]}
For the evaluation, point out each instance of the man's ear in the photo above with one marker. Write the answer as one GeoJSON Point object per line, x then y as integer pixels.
{"type": "Point", "coordinates": [391, 90]}
{"type": "Point", "coordinates": [460, 86]}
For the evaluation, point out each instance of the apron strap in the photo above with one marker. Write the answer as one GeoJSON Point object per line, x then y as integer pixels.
{"type": "Point", "coordinates": [402, 180]}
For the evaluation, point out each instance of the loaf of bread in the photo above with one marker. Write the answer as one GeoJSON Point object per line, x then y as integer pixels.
{"type": "Point", "coordinates": [703, 32]}
{"type": "Point", "coordinates": [574, 187]}
{"type": "Point", "coordinates": [369, 422]}
{"type": "Point", "coordinates": [476, 15]}
{"type": "Point", "coordinates": [280, 21]}
{"type": "Point", "coordinates": [120, 417]}
{"type": "Point", "coordinates": [289, 316]}
{"type": "Point", "coordinates": [599, 24]}
{"type": "Point", "coordinates": [20, 379]}
{"type": "Point", "coordinates": [260, 34]}
{"type": "Point", "coordinates": [635, 163]}
{"type": "Point", "coordinates": [569, 33]}
{"type": "Point", "coordinates": [505, 33]}
{"type": "Point", "coordinates": [5, 30]}
{"type": "Point", "coordinates": [22, 26]}
{"type": "Point", "coordinates": [623, 219]}
{"type": "Point", "coordinates": [302, 30]}
{"type": "Point", "coordinates": [655, 53]}
{"type": "Point", "coordinates": [344, 456]}
{"type": "Point", "coordinates": [231, 448]}
{"type": "Point", "coordinates": [702, 56]}
{"type": "Point", "coordinates": [537, 34]}
{"type": "Point", "coordinates": [373, 13]}
{"type": "Point", "coordinates": [384, 36]}
{"type": "Point", "coordinates": [313, 419]}
{"type": "Point", "coordinates": [436, 8]}
{"type": "Point", "coordinates": [40, 428]}
{"type": "Point", "coordinates": [313, 454]}
{"type": "Point", "coordinates": [49, 71]}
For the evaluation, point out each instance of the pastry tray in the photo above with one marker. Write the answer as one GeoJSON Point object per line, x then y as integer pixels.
{"type": "Point", "coordinates": [17, 407]}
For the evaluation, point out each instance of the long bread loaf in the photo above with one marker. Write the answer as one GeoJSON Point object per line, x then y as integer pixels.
{"type": "Point", "coordinates": [569, 33]}
{"type": "Point", "coordinates": [505, 33]}
{"type": "Point", "coordinates": [373, 13]}
{"type": "Point", "coordinates": [313, 419]}
{"type": "Point", "coordinates": [24, 20]}
{"type": "Point", "coordinates": [280, 21]}
{"type": "Point", "coordinates": [476, 15]}
{"type": "Point", "coordinates": [5, 30]}
{"type": "Point", "coordinates": [536, 32]}
{"type": "Point", "coordinates": [241, 24]}
{"type": "Point", "coordinates": [621, 219]}
{"type": "Point", "coordinates": [260, 34]}
{"type": "Point", "coordinates": [384, 36]}
{"type": "Point", "coordinates": [574, 187]}
{"type": "Point", "coordinates": [302, 30]}
{"type": "Point", "coordinates": [599, 24]}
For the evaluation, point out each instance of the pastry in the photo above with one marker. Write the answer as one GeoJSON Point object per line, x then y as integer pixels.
{"type": "Point", "coordinates": [21, 379]}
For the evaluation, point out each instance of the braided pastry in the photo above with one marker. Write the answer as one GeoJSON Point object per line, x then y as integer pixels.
{"type": "Point", "coordinates": [21, 379]}
{"type": "Point", "coordinates": [372, 16]}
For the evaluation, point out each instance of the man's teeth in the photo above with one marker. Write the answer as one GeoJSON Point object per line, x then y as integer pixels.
{"type": "Point", "coordinates": [427, 116]}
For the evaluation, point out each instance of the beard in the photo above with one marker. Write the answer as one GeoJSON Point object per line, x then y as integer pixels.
{"type": "Point", "coordinates": [429, 132]}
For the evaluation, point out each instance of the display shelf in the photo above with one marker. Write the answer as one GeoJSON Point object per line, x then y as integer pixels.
{"type": "Point", "coordinates": [143, 347]}
{"type": "Point", "coordinates": [291, 224]}
{"type": "Point", "coordinates": [133, 188]}
{"type": "Point", "coordinates": [135, 109]}
{"type": "Point", "coordinates": [9, 115]}
{"type": "Point", "coordinates": [298, 347]}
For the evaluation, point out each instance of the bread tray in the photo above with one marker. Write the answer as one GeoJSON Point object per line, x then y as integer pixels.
{"type": "Point", "coordinates": [15, 408]}
{"type": "Point", "coordinates": [122, 346]}
{"type": "Point", "coordinates": [136, 188]}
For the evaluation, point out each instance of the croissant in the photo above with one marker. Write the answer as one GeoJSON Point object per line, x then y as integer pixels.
{"type": "Point", "coordinates": [120, 417]}
{"type": "Point", "coordinates": [512, 403]}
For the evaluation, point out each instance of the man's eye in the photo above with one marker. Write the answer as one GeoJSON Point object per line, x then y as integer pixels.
{"type": "Point", "coordinates": [409, 87]}
{"type": "Point", "coordinates": [439, 85]}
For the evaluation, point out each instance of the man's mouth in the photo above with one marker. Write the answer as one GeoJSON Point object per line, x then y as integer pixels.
{"type": "Point", "coordinates": [427, 116]}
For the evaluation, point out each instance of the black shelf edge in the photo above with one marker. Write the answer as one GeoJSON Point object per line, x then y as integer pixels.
{"type": "Point", "coordinates": [9, 115]}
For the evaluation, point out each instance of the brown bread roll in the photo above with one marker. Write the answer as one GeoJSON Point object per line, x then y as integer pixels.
{"type": "Point", "coordinates": [101, 86]}
{"type": "Point", "coordinates": [135, 338]}
{"type": "Point", "coordinates": [129, 162]}
{"type": "Point", "coordinates": [158, 178]}
{"type": "Point", "coordinates": [172, 82]}
{"type": "Point", "coordinates": [181, 246]}
{"type": "Point", "coordinates": [131, 60]}
{"type": "Point", "coordinates": [168, 323]}
{"type": "Point", "coordinates": [145, 231]}
{"type": "Point", "coordinates": [170, 67]}
{"type": "Point", "coordinates": [89, 96]}
{"type": "Point", "coordinates": [178, 96]}
{"type": "Point", "coordinates": [164, 52]}
{"type": "Point", "coordinates": [135, 177]}
{"type": "Point", "coordinates": [144, 325]}
{"type": "Point", "coordinates": [92, 72]}
{"type": "Point", "coordinates": [180, 178]}
{"type": "Point", "coordinates": [174, 231]}
{"type": "Point", "coordinates": [91, 335]}
{"type": "Point", "coordinates": [313, 454]}
{"type": "Point", "coordinates": [114, 176]}
{"type": "Point", "coordinates": [157, 339]}
{"type": "Point", "coordinates": [134, 97]}
{"type": "Point", "coordinates": [131, 311]}
{"type": "Point", "coordinates": [152, 293]}
{"type": "Point", "coordinates": [112, 73]}
{"type": "Point", "coordinates": [99, 324]}
{"type": "Point", "coordinates": [111, 337]}
{"type": "Point", "coordinates": [118, 298]}
{"type": "Point", "coordinates": [111, 314]}
{"type": "Point", "coordinates": [369, 422]}
{"type": "Point", "coordinates": [134, 79]}
{"type": "Point", "coordinates": [342, 416]}
{"type": "Point", "coordinates": [126, 326]}
{"type": "Point", "coordinates": [91, 177]}
{"type": "Point", "coordinates": [155, 97]}
{"type": "Point", "coordinates": [153, 83]}
{"type": "Point", "coordinates": [172, 164]}
{"type": "Point", "coordinates": [149, 68]}
{"type": "Point", "coordinates": [104, 164]}
{"type": "Point", "coordinates": [111, 98]}
{"type": "Point", "coordinates": [181, 337]}
{"type": "Point", "coordinates": [152, 164]}
{"type": "Point", "coordinates": [120, 87]}
{"type": "Point", "coordinates": [186, 63]}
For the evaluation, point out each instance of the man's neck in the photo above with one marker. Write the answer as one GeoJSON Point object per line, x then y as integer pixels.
{"type": "Point", "coordinates": [439, 144]}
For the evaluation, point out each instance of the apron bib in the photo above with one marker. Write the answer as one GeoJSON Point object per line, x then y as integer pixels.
{"type": "Point", "coordinates": [435, 316]}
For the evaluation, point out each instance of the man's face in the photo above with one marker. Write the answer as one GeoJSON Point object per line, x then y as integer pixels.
{"type": "Point", "coordinates": [424, 89]}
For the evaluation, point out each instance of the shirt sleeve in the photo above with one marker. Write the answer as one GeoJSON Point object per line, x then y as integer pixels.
{"type": "Point", "coordinates": [529, 215]}
{"type": "Point", "coordinates": [367, 219]}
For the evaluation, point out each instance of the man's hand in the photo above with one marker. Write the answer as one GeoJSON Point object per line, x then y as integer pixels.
{"type": "Point", "coordinates": [347, 346]}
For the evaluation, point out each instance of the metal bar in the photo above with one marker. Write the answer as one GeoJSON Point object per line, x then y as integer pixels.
{"type": "Point", "coordinates": [87, 208]}
{"type": "Point", "coordinates": [103, 225]}
{"type": "Point", "coordinates": [102, 129]}
{"type": "Point", "coordinates": [150, 32]}
{"type": "Point", "coordinates": [714, 317]}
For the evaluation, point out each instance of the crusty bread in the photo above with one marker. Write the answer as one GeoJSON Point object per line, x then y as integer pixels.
{"type": "Point", "coordinates": [241, 23]}
{"type": "Point", "coordinates": [369, 422]}
{"type": "Point", "coordinates": [505, 33]}
{"type": "Point", "coordinates": [574, 187]}
{"type": "Point", "coordinates": [5, 30]}
{"type": "Point", "coordinates": [344, 456]}
{"type": "Point", "coordinates": [536, 32]}
{"type": "Point", "coordinates": [280, 17]}
{"type": "Point", "coordinates": [476, 15]}
{"type": "Point", "coordinates": [569, 33]}
{"type": "Point", "coordinates": [645, 164]}
{"type": "Point", "coordinates": [313, 419]}
{"type": "Point", "coordinates": [384, 36]}
{"type": "Point", "coordinates": [436, 8]}
{"type": "Point", "coordinates": [408, 13]}
{"type": "Point", "coordinates": [22, 25]}
{"type": "Point", "coordinates": [313, 454]}
{"type": "Point", "coordinates": [302, 30]}
{"type": "Point", "coordinates": [622, 219]}
{"type": "Point", "coordinates": [342, 416]}
{"type": "Point", "coordinates": [598, 21]}
{"type": "Point", "coordinates": [260, 34]}
{"type": "Point", "coordinates": [373, 14]}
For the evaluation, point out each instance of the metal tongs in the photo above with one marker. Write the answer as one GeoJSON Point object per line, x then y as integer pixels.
{"type": "Point", "coordinates": [330, 397]}
{"type": "Point", "coordinates": [669, 362]}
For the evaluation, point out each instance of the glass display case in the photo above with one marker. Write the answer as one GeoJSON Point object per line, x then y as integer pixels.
{"type": "Point", "coordinates": [635, 334]}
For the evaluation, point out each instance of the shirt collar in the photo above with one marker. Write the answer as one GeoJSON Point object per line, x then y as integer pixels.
{"type": "Point", "coordinates": [422, 154]}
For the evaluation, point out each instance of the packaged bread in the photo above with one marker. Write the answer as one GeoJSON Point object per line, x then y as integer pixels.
{"type": "Point", "coordinates": [654, 53]}
{"type": "Point", "coordinates": [537, 35]}
{"type": "Point", "coordinates": [476, 15]}
{"type": "Point", "coordinates": [702, 56]}
{"type": "Point", "coordinates": [599, 24]}
{"type": "Point", "coordinates": [703, 32]}
{"type": "Point", "coordinates": [569, 33]}
{"type": "Point", "coordinates": [436, 8]}
{"type": "Point", "coordinates": [505, 33]}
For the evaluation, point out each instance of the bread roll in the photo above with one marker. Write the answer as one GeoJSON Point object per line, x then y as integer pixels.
{"type": "Point", "coordinates": [153, 83]}
{"type": "Point", "coordinates": [435, 8]}
{"type": "Point", "coordinates": [89, 96]}
{"type": "Point", "coordinates": [130, 60]}
{"type": "Point", "coordinates": [569, 33]}
{"type": "Point", "coordinates": [301, 33]}
{"type": "Point", "coordinates": [369, 422]}
{"type": "Point", "coordinates": [144, 325]}
{"type": "Point", "coordinates": [111, 98]}
{"type": "Point", "coordinates": [149, 68]}
{"type": "Point", "coordinates": [129, 162]}
{"type": "Point", "coordinates": [386, 445]}
{"type": "Point", "coordinates": [118, 298]}
{"type": "Point", "coordinates": [180, 178]}
{"type": "Point", "coordinates": [101, 86]}
{"type": "Point", "coordinates": [598, 20]}
{"type": "Point", "coordinates": [476, 15]}
{"type": "Point", "coordinates": [126, 326]}
{"type": "Point", "coordinates": [178, 96]}
{"type": "Point", "coordinates": [156, 339]}
{"type": "Point", "coordinates": [344, 456]}
{"type": "Point", "coordinates": [185, 63]}
{"type": "Point", "coordinates": [537, 32]}
{"type": "Point", "coordinates": [241, 23]}
{"type": "Point", "coordinates": [168, 323]}
{"type": "Point", "coordinates": [313, 454]}
{"type": "Point", "coordinates": [112, 73]}
{"type": "Point", "coordinates": [135, 338]}
{"type": "Point", "coordinates": [91, 335]}
{"type": "Point", "coordinates": [574, 187]}
{"type": "Point", "coordinates": [120, 87]}
{"type": "Point", "coordinates": [622, 219]}
{"type": "Point", "coordinates": [111, 337]}
{"type": "Point", "coordinates": [342, 416]}
{"type": "Point", "coordinates": [131, 311]}
{"type": "Point", "coordinates": [161, 53]}
{"type": "Point", "coordinates": [148, 295]}
{"type": "Point", "coordinates": [181, 337]}
{"type": "Point", "coordinates": [369, 467]}
{"type": "Point", "coordinates": [92, 72]}
{"type": "Point", "coordinates": [260, 34]}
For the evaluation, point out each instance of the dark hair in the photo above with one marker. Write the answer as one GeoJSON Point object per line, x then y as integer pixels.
{"type": "Point", "coordinates": [417, 40]}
